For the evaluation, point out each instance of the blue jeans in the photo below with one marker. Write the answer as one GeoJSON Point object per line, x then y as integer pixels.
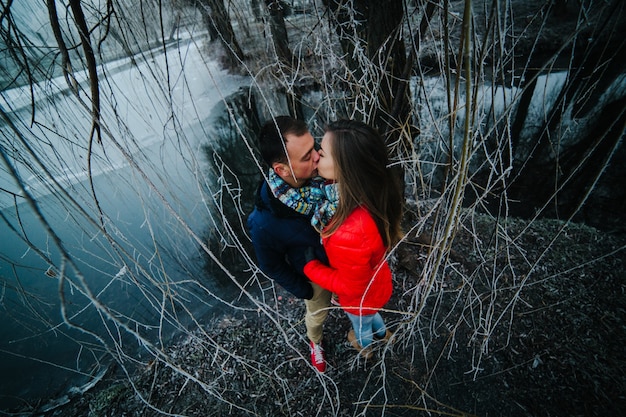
{"type": "Point", "coordinates": [365, 327]}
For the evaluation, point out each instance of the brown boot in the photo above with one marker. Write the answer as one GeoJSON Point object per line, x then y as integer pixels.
{"type": "Point", "coordinates": [385, 338]}
{"type": "Point", "coordinates": [366, 353]}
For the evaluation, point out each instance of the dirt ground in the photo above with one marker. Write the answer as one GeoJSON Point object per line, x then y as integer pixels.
{"type": "Point", "coordinates": [556, 346]}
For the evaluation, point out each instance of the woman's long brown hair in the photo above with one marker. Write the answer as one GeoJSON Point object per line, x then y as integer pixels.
{"type": "Point", "coordinates": [364, 178]}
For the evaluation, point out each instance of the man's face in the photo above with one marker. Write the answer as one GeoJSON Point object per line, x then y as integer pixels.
{"type": "Point", "coordinates": [303, 158]}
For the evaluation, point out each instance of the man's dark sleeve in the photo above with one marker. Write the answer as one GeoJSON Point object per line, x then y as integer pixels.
{"type": "Point", "coordinates": [271, 258]}
{"type": "Point", "coordinates": [275, 266]}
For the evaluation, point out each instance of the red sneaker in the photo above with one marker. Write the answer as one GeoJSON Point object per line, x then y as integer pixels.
{"type": "Point", "coordinates": [317, 356]}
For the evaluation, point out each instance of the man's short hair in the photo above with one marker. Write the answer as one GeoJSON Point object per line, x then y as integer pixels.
{"type": "Point", "coordinates": [272, 137]}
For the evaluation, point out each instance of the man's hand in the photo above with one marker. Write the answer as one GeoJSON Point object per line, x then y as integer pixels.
{"type": "Point", "coordinates": [309, 255]}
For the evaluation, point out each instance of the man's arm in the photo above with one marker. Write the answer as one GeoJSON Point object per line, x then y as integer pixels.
{"type": "Point", "coordinates": [274, 264]}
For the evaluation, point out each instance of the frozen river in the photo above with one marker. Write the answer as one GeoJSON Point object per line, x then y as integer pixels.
{"type": "Point", "coordinates": [152, 184]}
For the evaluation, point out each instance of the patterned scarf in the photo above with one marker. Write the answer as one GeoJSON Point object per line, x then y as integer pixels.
{"type": "Point", "coordinates": [317, 199]}
{"type": "Point", "coordinates": [326, 210]}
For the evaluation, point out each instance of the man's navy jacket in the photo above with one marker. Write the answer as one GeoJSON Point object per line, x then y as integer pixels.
{"type": "Point", "coordinates": [280, 237]}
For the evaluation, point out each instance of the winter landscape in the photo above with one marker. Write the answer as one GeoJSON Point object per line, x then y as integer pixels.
{"type": "Point", "coordinates": [129, 164]}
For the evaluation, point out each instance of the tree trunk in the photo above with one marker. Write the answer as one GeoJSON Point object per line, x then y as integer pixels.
{"type": "Point", "coordinates": [377, 27]}
{"type": "Point", "coordinates": [220, 28]}
{"type": "Point", "coordinates": [280, 39]}
{"type": "Point", "coordinates": [556, 164]}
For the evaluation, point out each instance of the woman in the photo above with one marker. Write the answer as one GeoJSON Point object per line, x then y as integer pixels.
{"type": "Point", "coordinates": [359, 224]}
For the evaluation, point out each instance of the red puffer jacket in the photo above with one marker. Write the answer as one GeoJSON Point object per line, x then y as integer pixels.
{"type": "Point", "coordinates": [355, 252]}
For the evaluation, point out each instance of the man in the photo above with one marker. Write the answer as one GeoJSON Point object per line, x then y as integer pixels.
{"type": "Point", "coordinates": [280, 224]}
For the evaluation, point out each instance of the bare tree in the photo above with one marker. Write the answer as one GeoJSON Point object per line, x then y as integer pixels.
{"type": "Point", "coordinates": [280, 38]}
{"type": "Point", "coordinates": [219, 25]}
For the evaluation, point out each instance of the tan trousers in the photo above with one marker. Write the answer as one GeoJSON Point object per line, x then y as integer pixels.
{"type": "Point", "coordinates": [314, 318]}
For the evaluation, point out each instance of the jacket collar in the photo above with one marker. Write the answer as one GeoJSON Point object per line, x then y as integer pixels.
{"type": "Point", "coordinates": [265, 200]}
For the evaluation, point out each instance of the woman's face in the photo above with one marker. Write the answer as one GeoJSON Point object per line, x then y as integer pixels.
{"type": "Point", "coordinates": [326, 165]}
